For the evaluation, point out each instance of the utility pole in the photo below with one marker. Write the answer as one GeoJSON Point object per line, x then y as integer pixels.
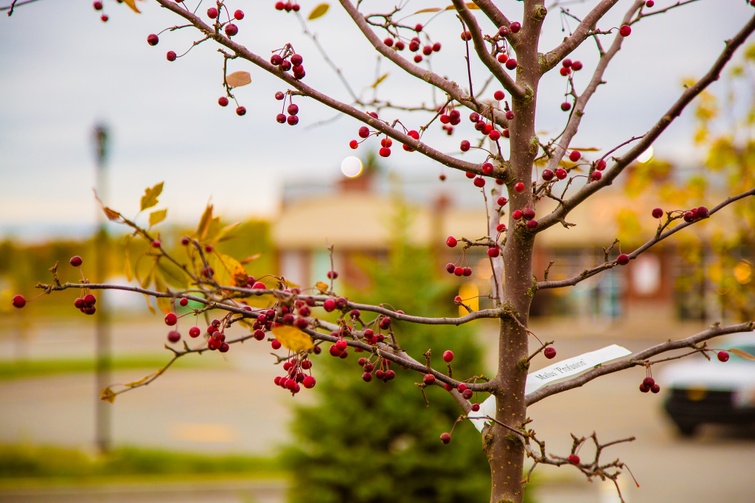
{"type": "Point", "coordinates": [103, 358]}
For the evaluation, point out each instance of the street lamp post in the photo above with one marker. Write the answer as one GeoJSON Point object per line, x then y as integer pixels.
{"type": "Point", "coordinates": [103, 360]}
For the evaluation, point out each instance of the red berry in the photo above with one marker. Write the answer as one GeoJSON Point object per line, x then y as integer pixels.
{"type": "Point", "coordinates": [498, 95]}
{"type": "Point", "coordinates": [655, 388]}
{"type": "Point", "coordinates": [596, 175]}
{"type": "Point", "coordinates": [511, 63]}
{"type": "Point", "coordinates": [576, 66]}
{"type": "Point", "coordinates": [174, 336]}
{"type": "Point", "coordinates": [657, 212]}
{"type": "Point", "coordinates": [625, 30]}
{"type": "Point", "coordinates": [515, 26]}
{"type": "Point", "coordinates": [451, 242]}
{"type": "Point", "coordinates": [573, 459]}
{"type": "Point", "coordinates": [329, 305]}
{"type": "Point", "coordinates": [240, 111]}
{"type": "Point", "coordinates": [648, 381]}
{"type": "Point", "coordinates": [519, 186]}
{"type": "Point", "coordinates": [649, 3]}
{"type": "Point", "coordinates": [493, 251]}
{"type": "Point", "coordinates": [97, 5]}
{"type": "Point", "coordinates": [450, 268]}
{"type": "Point", "coordinates": [548, 174]}
{"type": "Point", "coordinates": [171, 56]}
{"type": "Point", "coordinates": [622, 259]}
{"type": "Point", "coordinates": [223, 101]}
{"type": "Point", "coordinates": [723, 356]}
{"type": "Point", "coordinates": [308, 381]}
{"type": "Point", "coordinates": [353, 144]}
{"type": "Point", "coordinates": [239, 15]}
{"type": "Point", "coordinates": [549, 352]}
{"type": "Point", "coordinates": [75, 261]}
{"type": "Point", "coordinates": [89, 300]}
{"type": "Point", "coordinates": [428, 379]}
{"type": "Point", "coordinates": [292, 120]}
{"type": "Point", "coordinates": [702, 212]}
{"type": "Point", "coordinates": [171, 319]}
{"type": "Point", "coordinates": [575, 155]}
{"type": "Point", "coordinates": [561, 173]}
{"type": "Point", "coordinates": [565, 106]}
{"type": "Point", "coordinates": [104, 18]}
{"type": "Point", "coordinates": [194, 332]}
{"type": "Point", "coordinates": [516, 214]}
{"type": "Point", "coordinates": [275, 344]}
{"type": "Point", "coordinates": [564, 71]}
{"type": "Point", "coordinates": [384, 152]}
{"type": "Point", "coordinates": [19, 301]}
{"type": "Point", "coordinates": [464, 146]}
{"type": "Point", "coordinates": [479, 181]}
{"type": "Point", "coordinates": [445, 437]}
{"type": "Point", "coordinates": [153, 39]}
{"type": "Point", "coordinates": [448, 356]}
{"type": "Point", "coordinates": [231, 29]}
{"type": "Point", "coordinates": [212, 12]}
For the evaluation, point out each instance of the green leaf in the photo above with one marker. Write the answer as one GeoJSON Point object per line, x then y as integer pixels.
{"type": "Point", "coordinates": [318, 11]}
{"type": "Point", "coordinates": [149, 199]}
{"type": "Point", "coordinates": [157, 216]}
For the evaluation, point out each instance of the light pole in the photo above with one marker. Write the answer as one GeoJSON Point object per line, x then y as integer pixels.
{"type": "Point", "coordinates": [103, 363]}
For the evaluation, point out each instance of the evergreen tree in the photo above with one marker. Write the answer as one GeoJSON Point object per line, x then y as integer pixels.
{"type": "Point", "coordinates": [364, 443]}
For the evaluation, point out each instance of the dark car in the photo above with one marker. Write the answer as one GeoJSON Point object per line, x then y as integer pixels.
{"type": "Point", "coordinates": [702, 391]}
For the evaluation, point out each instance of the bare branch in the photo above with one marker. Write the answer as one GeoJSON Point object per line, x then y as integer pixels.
{"type": "Point", "coordinates": [588, 273]}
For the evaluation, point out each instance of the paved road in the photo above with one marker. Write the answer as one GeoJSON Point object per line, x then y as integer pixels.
{"type": "Point", "coordinates": [233, 407]}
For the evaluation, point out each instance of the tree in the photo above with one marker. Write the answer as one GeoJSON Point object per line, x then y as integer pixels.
{"type": "Point", "coordinates": [372, 442]}
{"type": "Point", "coordinates": [496, 83]}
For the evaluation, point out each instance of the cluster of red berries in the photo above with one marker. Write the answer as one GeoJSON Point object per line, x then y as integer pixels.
{"type": "Point", "coordinates": [292, 109]}
{"type": "Point", "coordinates": [449, 119]}
{"type": "Point", "coordinates": [696, 214]}
{"type": "Point", "coordinates": [567, 67]}
{"type": "Point", "coordinates": [527, 215]}
{"type": "Point", "coordinates": [287, 6]}
{"type": "Point", "coordinates": [86, 304]}
{"type": "Point", "coordinates": [415, 44]}
{"type": "Point", "coordinates": [298, 374]}
{"type": "Point", "coordinates": [649, 384]}
{"type": "Point", "coordinates": [380, 371]}
{"type": "Point", "coordinates": [289, 61]}
{"type": "Point", "coordinates": [98, 7]}
{"type": "Point", "coordinates": [451, 268]}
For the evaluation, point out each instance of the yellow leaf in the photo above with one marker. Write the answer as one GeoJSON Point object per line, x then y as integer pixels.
{"type": "Point", "coordinates": [132, 4]}
{"type": "Point", "coordinates": [204, 222]}
{"type": "Point", "coordinates": [112, 215]}
{"type": "Point", "coordinates": [228, 270]}
{"type": "Point", "coordinates": [470, 6]}
{"type": "Point", "coordinates": [149, 199]}
{"type": "Point", "coordinates": [322, 286]}
{"type": "Point", "coordinates": [292, 338]}
{"type": "Point", "coordinates": [740, 353]}
{"type": "Point", "coordinates": [107, 395]}
{"type": "Point", "coordinates": [379, 80]}
{"type": "Point", "coordinates": [157, 216]}
{"type": "Point", "coordinates": [432, 9]}
{"type": "Point", "coordinates": [238, 79]}
{"type": "Point", "coordinates": [318, 11]}
{"type": "Point", "coordinates": [223, 233]}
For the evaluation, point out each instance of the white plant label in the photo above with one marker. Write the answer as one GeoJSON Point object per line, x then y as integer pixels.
{"type": "Point", "coordinates": [561, 370]}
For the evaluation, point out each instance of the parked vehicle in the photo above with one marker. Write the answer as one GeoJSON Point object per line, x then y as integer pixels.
{"type": "Point", "coordinates": [710, 391]}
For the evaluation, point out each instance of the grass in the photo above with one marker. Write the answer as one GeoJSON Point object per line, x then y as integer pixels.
{"type": "Point", "coordinates": [24, 462]}
{"type": "Point", "coordinates": [19, 369]}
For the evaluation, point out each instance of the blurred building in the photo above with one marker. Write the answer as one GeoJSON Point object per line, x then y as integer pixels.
{"type": "Point", "coordinates": [355, 217]}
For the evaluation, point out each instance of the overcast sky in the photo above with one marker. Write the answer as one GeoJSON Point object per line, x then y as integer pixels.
{"type": "Point", "coordinates": [62, 71]}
